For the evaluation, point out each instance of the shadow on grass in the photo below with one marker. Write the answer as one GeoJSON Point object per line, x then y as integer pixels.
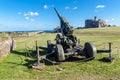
{"type": "Point", "coordinates": [30, 53]}
{"type": "Point", "coordinates": [29, 63]}
{"type": "Point", "coordinates": [107, 59]}
{"type": "Point", "coordinates": [78, 59]}
{"type": "Point", "coordinates": [50, 61]}
{"type": "Point", "coordinates": [18, 53]}
{"type": "Point", "coordinates": [31, 58]}
{"type": "Point", "coordinates": [74, 59]}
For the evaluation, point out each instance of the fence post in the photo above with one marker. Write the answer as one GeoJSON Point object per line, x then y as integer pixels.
{"type": "Point", "coordinates": [110, 50]}
{"type": "Point", "coordinates": [38, 56]}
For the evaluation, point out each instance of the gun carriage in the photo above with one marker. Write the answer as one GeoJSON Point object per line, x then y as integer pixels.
{"type": "Point", "coordinates": [67, 44]}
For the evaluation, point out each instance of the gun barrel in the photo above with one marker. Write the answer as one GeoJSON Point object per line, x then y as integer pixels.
{"type": "Point", "coordinates": [65, 27]}
{"type": "Point", "coordinates": [57, 13]}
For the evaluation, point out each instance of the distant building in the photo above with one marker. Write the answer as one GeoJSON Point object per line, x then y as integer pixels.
{"type": "Point", "coordinates": [94, 23]}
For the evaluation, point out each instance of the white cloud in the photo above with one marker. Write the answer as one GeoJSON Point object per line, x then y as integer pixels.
{"type": "Point", "coordinates": [31, 14]}
{"type": "Point", "coordinates": [112, 19]}
{"type": "Point", "coordinates": [67, 7]}
{"type": "Point", "coordinates": [36, 13]}
{"type": "Point", "coordinates": [27, 18]}
{"type": "Point", "coordinates": [45, 7]}
{"type": "Point", "coordinates": [75, 7]}
{"type": "Point", "coordinates": [100, 6]}
{"type": "Point", "coordinates": [19, 13]}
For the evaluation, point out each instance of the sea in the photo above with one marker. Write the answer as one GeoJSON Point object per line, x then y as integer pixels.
{"type": "Point", "coordinates": [47, 31]}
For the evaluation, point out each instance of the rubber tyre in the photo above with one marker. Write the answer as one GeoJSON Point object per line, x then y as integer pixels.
{"type": "Point", "coordinates": [59, 54]}
{"type": "Point", "coordinates": [49, 46]}
{"type": "Point", "coordinates": [48, 42]}
{"type": "Point", "coordinates": [90, 50]}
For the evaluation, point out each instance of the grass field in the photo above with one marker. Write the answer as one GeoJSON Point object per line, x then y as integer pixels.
{"type": "Point", "coordinates": [16, 65]}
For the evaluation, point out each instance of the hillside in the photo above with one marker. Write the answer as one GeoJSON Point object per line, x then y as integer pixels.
{"type": "Point", "coordinates": [106, 31]}
{"type": "Point", "coordinates": [16, 65]}
{"type": "Point", "coordinates": [100, 35]}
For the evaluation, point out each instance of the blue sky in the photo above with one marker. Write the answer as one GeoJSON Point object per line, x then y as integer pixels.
{"type": "Point", "coordinates": [19, 15]}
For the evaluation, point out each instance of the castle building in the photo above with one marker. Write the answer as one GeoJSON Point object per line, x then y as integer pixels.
{"type": "Point", "coordinates": [94, 23]}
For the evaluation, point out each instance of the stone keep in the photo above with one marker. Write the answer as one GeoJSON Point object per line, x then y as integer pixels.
{"type": "Point", "coordinates": [94, 23]}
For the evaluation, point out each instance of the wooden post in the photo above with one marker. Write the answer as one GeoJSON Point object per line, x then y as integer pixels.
{"type": "Point", "coordinates": [38, 55]}
{"type": "Point", "coordinates": [110, 50]}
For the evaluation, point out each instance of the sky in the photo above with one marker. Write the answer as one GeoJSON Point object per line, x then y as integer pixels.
{"type": "Point", "coordinates": [21, 15]}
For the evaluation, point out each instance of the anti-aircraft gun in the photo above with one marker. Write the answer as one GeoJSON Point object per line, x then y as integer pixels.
{"type": "Point", "coordinates": [66, 37]}
{"type": "Point", "coordinates": [67, 44]}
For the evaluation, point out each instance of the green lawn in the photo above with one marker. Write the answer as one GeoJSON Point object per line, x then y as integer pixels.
{"type": "Point", "coordinates": [16, 65]}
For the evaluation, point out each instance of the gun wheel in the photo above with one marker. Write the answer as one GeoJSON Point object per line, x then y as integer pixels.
{"type": "Point", "coordinates": [59, 54]}
{"type": "Point", "coordinates": [90, 50]}
{"type": "Point", "coordinates": [49, 46]}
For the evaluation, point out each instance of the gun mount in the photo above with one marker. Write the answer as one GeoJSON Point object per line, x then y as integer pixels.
{"type": "Point", "coordinates": [67, 44]}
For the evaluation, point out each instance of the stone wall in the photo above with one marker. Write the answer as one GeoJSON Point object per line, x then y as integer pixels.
{"type": "Point", "coordinates": [6, 45]}
{"type": "Point", "coordinates": [20, 34]}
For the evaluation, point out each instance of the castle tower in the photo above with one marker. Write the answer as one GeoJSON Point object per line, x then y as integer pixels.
{"type": "Point", "coordinates": [95, 18]}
